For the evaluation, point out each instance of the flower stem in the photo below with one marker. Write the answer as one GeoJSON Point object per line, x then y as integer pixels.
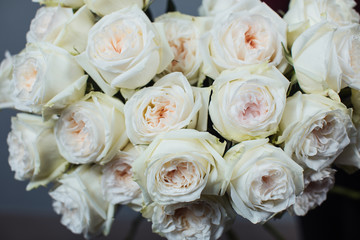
{"type": "Point", "coordinates": [352, 194]}
{"type": "Point", "coordinates": [273, 231]}
{"type": "Point", "coordinates": [134, 226]}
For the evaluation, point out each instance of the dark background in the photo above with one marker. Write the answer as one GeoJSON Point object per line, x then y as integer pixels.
{"type": "Point", "coordinates": [29, 215]}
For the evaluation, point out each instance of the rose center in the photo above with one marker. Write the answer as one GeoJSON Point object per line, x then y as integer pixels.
{"type": "Point", "coordinates": [27, 75]}
{"type": "Point", "coordinates": [158, 111]}
{"type": "Point", "coordinates": [124, 173]}
{"type": "Point", "coordinates": [250, 39]}
{"type": "Point", "coordinates": [250, 107]}
{"type": "Point", "coordinates": [179, 176]}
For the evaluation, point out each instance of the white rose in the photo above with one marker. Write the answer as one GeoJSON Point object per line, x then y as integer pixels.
{"type": "Point", "coordinates": [48, 23]}
{"type": "Point", "coordinates": [206, 218]}
{"type": "Point", "coordinates": [303, 14]}
{"type": "Point", "coordinates": [215, 7]}
{"type": "Point", "coordinates": [317, 185]}
{"type": "Point", "coordinates": [64, 3]}
{"type": "Point", "coordinates": [45, 74]}
{"type": "Point", "coordinates": [91, 130]}
{"type": "Point", "coordinates": [183, 34]}
{"type": "Point", "coordinates": [61, 27]}
{"type": "Point", "coordinates": [77, 199]}
{"type": "Point", "coordinates": [248, 103]}
{"type": "Point", "coordinates": [315, 130]}
{"type": "Point", "coordinates": [179, 166]}
{"type": "Point", "coordinates": [6, 69]}
{"type": "Point", "coordinates": [33, 152]}
{"type": "Point", "coordinates": [347, 40]}
{"type": "Point", "coordinates": [170, 104]}
{"type": "Point", "coordinates": [105, 7]}
{"type": "Point", "coordinates": [245, 37]}
{"type": "Point", "coordinates": [264, 180]}
{"type": "Point", "coordinates": [117, 182]}
{"type": "Point", "coordinates": [125, 51]}
{"type": "Point", "coordinates": [323, 56]}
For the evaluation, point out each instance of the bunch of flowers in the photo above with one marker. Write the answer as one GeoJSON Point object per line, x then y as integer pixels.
{"type": "Point", "coordinates": [190, 120]}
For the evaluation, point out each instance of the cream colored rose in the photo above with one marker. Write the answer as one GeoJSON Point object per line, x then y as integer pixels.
{"type": "Point", "coordinates": [46, 78]}
{"type": "Point", "coordinates": [6, 69]}
{"type": "Point", "coordinates": [105, 7]}
{"type": "Point", "coordinates": [323, 72]}
{"type": "Point", "coordinates": [303, 14]}
{"type": "Point", "coordinates": [77, 199]}
{"type": "Point", "coordinates": [215, 7]}
{"type": "Point", "coordinates": [206, 218]}
{"type": "Point", "coordinates": [91, 130]}
{"type": "Point", "coordinates": [125, 50]}
{"type": "Point", "coordinates": [347, 40]}
{"type": "Point", "coordinates": [33, 153]}
{"type": "Point", "coordinates": [48, 23]}
{"type": "Point", "coordinates": [248, 103]}
{"type": "Point", "coordinates": [183, 34]}
{"type": "Point", "coordinates": [118, 185]}
{"type": "Point", "coordinates": [315, 130]}
{"type": "Point", "coordinates": [64, 3]}
{"type": "Point", "coordinates": [263, 180]}
{"type": "Point", "coordinates": [170, 104]}
{"type": "Point", "coordinates": [246, 37]}
{"type": "Point", "coordinates": [61, 27]}
{"type": "Point", "coordinates": [179, 166]}
{"type": "Point", "coordinates": [317, 185]}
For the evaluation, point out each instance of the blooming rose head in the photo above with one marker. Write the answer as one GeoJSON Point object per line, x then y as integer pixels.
{"type": "Point", "coordinates": [125, 50]}
{"type": "Point", "coordinates": [48, 23]}
{"type": "Point", "coordinates": [347, 40]}
{"type": "Point", "coordinates": [317, 185]}
{"type": "Point", "coordinates": [246, 37]}
{"type": "Point", "coordinates": [303, 14]}
{"type": "Point", "coordinates": [170, 104]}
{"type": "Point", "coordinates": [335, 61]}
{"type": "Point", "coordinates": [45, 74]}
{"type": "Point", "coordinates": [183, 33]}
{"type": "Point", "coordinates": [77, 199]}
{"type": "Point", "coordinates": [61, 27]}
{"type": "Point", "coordinates": [248, 103]}
{"type": "Point", "coordinates": [179, 166]}
{"type": "Point", "coordinates": [91, 130]}
{"type": "Point", "coordinates": [264, 180]}
{"type": "Point", "coordinates": [206, 218]}
{"type": "Point", "coordinates": [118, 185]}
{"type": "Point", "coordinates": [315, 130]}
{"type": "Point", "coordinates": [33, 152]}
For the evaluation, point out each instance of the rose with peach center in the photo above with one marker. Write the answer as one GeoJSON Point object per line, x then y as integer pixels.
{"type": "Point", "coordinates": [179, 166]}
{"type": "Point", "coordinates": [248, 103]}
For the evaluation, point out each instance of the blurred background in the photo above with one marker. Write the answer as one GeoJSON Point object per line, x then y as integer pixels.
{"type": "Point", "coordinates": [29, 215]}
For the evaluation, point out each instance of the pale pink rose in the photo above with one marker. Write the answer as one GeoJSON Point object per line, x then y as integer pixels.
{"type": "Point", "coordinates": [316, 187]}
{"type": "Point", "coordinates": [118, 185]}
{"type": "Point", "coordinates": [239, 38]}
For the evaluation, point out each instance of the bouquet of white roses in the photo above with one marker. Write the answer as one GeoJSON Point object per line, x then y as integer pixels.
{"type": "Point", "coordinates": [190, 120]}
